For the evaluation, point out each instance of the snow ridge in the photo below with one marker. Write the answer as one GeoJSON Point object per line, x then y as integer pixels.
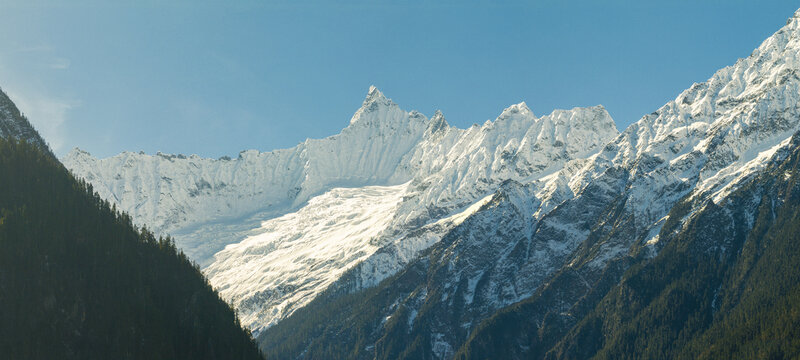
{"type": "Point", "coordinates": [181, 194]}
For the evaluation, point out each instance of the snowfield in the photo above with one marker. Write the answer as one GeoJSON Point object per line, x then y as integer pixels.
{"type": "Point", "coordinates": [297, 254]}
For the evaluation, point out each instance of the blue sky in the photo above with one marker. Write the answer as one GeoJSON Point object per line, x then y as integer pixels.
{"type": "Point", "coordinates": [211, 78]}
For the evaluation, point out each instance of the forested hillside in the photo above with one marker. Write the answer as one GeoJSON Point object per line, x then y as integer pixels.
{"type": "Point", "coordinates": [79, 281]}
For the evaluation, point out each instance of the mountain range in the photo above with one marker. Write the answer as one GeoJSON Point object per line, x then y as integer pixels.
{"type": "Point", "coordinates": [547, 237]}
{"type": "Point", "coordinates": [374, 195]}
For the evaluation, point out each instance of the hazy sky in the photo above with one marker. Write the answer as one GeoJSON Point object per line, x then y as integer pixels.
{"type": "Point", "coordinates": [213, 79]}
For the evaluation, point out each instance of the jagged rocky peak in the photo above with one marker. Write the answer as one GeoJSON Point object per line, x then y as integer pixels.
{"type": "Point", "coordinates": [375, 106]}
{"type": "Point", "coordinates": [794, 16]}
{"type": "Point", "coordinates": [515, 119]}
{"type": "Point", "coordinates": [375, 95]}
{"type": "Point", "coordinates": [594, 119]}
{"type": "Point", "coordinates": [437, 124]}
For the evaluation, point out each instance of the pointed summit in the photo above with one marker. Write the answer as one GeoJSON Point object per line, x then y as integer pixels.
{"type": "Point", "coordinates": [374, 101]}
{"type": "Point", "coordinates": [438, 116]}
{"type": "Point", "coordinates": [437, 123]}
{"type": "Point", "coordinates": [375, 96]}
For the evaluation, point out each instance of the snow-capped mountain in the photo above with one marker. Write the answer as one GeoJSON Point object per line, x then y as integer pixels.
{"type": "Point", "coordinates": [453, 170]}
{"type": "Point", "coordinates": [178, 194]}
{"type": "Point", "coordinates": [451, 225]}
{"type": "Point", "coordinates": [556, 239]}
{"type": "Point", "coordinates": [428, 174]}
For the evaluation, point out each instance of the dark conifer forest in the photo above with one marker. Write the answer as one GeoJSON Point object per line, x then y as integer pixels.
{"type": "Point", "coordinates": [79, 281]}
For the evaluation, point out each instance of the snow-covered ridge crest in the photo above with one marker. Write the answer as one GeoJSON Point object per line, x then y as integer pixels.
{"type": "Point", "coordinates": [461, 166]}
{"type": "Point", "coordinates": [178, 194]}
{"type": "Point", "coordinates": [170, 192]}
{"type": "Point", "coordinates": [708, 138]}
{"type": "Point", "coordinates": [453, 172]}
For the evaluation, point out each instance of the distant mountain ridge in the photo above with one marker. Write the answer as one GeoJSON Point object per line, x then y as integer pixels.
{"type": "Point", "coordinates": [382, 145]}
{"type": "Point", "coordinates": [437, 172]}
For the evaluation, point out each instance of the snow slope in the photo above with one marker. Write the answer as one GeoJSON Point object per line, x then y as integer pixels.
{"type": "Point", "coordinates": [297, 254]}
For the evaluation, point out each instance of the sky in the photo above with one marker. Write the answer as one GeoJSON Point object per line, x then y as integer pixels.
{"type": "Point", "coordinates": [216, 77]}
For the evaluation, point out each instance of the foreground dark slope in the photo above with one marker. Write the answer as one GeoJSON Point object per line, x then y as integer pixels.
{"type": "Point", "coordinates": [726, 285]}
{"type": "Point", "coordinates": [78, 281]}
